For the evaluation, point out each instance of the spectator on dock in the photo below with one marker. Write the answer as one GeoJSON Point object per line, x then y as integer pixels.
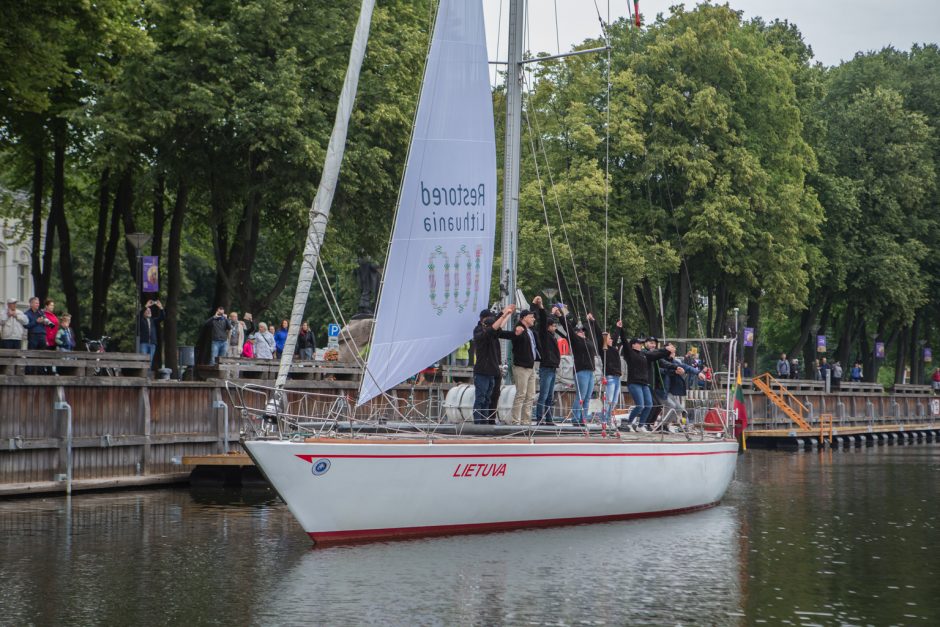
{"type": "Point", "coordinates": [219, 327]}
{"type": "Point", "coordinates": [795, 369]}
{"type": "Point", "coordinates": [935, 379]}
{"type": "Point", "coordinates": [147, 327]}
{"type": "Point", "coordinates": [836, 375]}
{"type": "Point", "coordinates": [855, 374]}
{"type": "Point", "coordinates": [236, 335]}
{"type": "Point", "coordinates": [52, 323]}
{"type": "Point", "coordinates": [825, 370]}
{"type": "Point", "coordinates": [264, 343]}
{"type": "Point", "coordinates": [249, 322]}
{"type": "Point", "coordinates": [306, 344]}
{"type": "Point", "coordinates": [35, 326]}
{"type": "Point", "coordinates": [462, 354]}
{"type": "Point", "coordinates": [12, 326]}
{"type": "Point", "coordinates": [248, 350]}
{"type": "Point", "coordinates": [280, 336]}
{"type": "Point", "coordinates": [65, 338]}
{"type": "Point", "coordinates": [783, 367]}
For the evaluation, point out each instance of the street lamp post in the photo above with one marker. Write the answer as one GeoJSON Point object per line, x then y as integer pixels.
{"type": "Point", "coordinates": [137, 241]}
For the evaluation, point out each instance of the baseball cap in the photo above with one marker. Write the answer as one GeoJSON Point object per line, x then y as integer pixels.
{"type": "Point", "coordinates": [485, 313]}
{"type": "Point", "coordinates": [636, 340]}
{"type": "Point", "coordinates": [11, 300]}
{"type": "Point", "coordinates": [525, 312]}
{"type": "Point", "coordinates": [651, 338]}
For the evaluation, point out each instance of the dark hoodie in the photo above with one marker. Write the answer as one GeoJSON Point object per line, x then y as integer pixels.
{"type": "Point", "coordinates": [582, 348]}
{"type": "Point", "coordinates": [548, 345]}
{"type": "Point", "coordinates": [638, 362]}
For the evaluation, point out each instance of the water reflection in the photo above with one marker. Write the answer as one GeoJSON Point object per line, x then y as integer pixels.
{"type": "Point", "coordinates": [677, 570]}
{"type": "Point", "coordinates": [804, 538]}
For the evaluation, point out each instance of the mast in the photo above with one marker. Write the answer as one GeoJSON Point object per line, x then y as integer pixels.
{"type": "Point", "coordinates": [511, 150]}
{"type": "Point", "coordinates": [320, 210]}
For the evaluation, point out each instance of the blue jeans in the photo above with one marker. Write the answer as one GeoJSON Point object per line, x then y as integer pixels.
{"type": "Point", "coordinates": [611, 397]}
{"type": "Point", "coordinates": [642, 402]}
{"type": "Point", "coordinates": [483, 386]}
{"type": "Point", "coordinates": [219, 348]}
{"type": "Point", "coordinates": [585, 384]}
{"type": "Point", "coordinates": [546, 400]}
{"type": "Point", "coordinates": [148, 349]}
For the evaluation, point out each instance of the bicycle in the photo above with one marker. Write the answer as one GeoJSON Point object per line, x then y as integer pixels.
{"type": "Point", "coordinates": [99, 346]}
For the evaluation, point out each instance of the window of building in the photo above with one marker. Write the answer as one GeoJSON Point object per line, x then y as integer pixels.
{"type": "Point", "coordinates": [23, 282]}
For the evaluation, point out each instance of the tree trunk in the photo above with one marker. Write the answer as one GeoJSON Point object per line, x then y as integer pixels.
{"type": "Point", "coordinates": [174, 277]}
{"type": "Point", "coordinates": [846, 339]}
{"type": "Point", "coordinates": [900, 356]}
{"type": "Point", "coordinates": [807, 322]}
{"type": "Point", "coordinates": [41, 255]}
{"type": "Point", "coordinates": [916, 352]}
{"type": "Point", "coordinates": [753, 321]}
{"type": "Point", "coordinates": [66, 267]}
{"type": "Point", "coordinates": [107, 242]}
{"type": "Point", "coordinates": [156, 249]}
{"type": "Point", "coordinates": [682, 305]}
{"type": "Point", "coordinates": [127, 219]}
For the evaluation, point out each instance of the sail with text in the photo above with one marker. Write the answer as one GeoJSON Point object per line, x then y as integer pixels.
{"type": "Point", "coordinates": [437, 275]}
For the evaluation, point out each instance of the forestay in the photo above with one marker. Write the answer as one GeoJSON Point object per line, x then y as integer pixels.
{"type": "Point", "coordinates": [437, 275]}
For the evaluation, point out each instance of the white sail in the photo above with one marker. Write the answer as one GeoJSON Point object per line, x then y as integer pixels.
{"type": "Point", "coordinates": [437, 275]}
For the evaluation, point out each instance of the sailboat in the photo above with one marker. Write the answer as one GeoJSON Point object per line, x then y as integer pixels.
{"type": "Point", "coordinates": [379, 483]}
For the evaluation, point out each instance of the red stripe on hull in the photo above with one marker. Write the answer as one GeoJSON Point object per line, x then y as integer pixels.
{"type": "Point", "coordinates": [310, 458]}
{"type": "Point", "coordinates": [403, 533]}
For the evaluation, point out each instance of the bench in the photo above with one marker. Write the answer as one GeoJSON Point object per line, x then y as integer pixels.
{"type": "Point", "coordinates": [73, 363]}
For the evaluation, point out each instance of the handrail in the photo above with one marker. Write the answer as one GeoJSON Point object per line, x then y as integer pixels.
{"type": "Point", "coordinates": [763, 383]}
{"type": "Point", "coordinates": [825, 423]}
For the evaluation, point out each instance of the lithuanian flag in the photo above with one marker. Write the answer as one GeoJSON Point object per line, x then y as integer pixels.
{"type": "Point", "coordinates": [740, 423]}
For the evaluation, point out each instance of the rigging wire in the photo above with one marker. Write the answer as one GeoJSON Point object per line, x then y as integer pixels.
{"type": "Point", "coordinates": [607, 167]}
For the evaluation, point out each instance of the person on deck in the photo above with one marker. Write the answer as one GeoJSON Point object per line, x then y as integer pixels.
{"type": "Point", "coordinates": [657, 382]}
{"type": "Point", "coordinates": [486, 367]}
{"type": "Point", "coordinates": [638, 372]}
{"type": "Point", "coordinates": [935, 379]}
{"type": "Point", "coordinates": [526, 350]}
{"type": "Point", "coordinates": [613, 371]}
{"type": "Point", "coordinates": [584, 350]}
{"type": "Point", "coordinates": [548, 367]}
{"type": "Point", "coordinates": [783, 367]}
{"type": "Point", "coordinates": [855, 375]}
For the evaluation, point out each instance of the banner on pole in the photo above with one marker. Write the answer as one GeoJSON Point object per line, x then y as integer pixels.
{"type": "Point", "coordinates": [928, 355]}
{"type": "Point", "coordinates": [879, 350]}
{"type": "Point", "coordinates": [149, 274]}
{"type": "Point", "coordinates": [749, 336]}
{"type": "Point", "coordinates": [820, 343]}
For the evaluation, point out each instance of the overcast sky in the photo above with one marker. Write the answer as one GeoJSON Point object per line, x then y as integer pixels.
{"type": "Point", "coordinates": [835, 29]}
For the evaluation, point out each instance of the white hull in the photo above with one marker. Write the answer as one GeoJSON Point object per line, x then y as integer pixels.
{"type": "Point", "coordinates": [349, 490]}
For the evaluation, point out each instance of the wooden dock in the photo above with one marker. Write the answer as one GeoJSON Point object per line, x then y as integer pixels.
{"type": "Point", "coordinates": [82, 428]}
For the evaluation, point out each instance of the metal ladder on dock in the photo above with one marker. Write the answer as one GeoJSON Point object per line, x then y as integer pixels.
{"type": "Point", "coordinates": [825, 427]}
{"type": "Point", "coordinates": [765, 381]}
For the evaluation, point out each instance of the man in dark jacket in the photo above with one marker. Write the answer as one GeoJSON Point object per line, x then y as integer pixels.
{"type": "Point", "coordinates": [526, 350]}
{"type": "Point", "coordinates": [583, 349]}
{"type": "Point", "coordinates": [638, 372]}
{"type": "Point", "coordinates": [219, 327]}
{"type": "Point", "coordinates": [147, 327]}
{"type": "Point", "coordinates": [548, 367]}
{"type": "Point", "coordinates": [486, 370]}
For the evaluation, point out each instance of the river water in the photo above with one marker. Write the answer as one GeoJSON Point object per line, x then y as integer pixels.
{"type": "Point", "coordinates": [844, 537]}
